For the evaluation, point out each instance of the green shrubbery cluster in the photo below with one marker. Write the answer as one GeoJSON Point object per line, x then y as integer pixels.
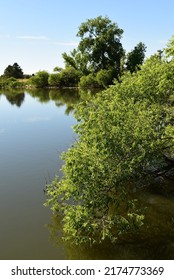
{"type": "Point", "coordinates": [11, 83]}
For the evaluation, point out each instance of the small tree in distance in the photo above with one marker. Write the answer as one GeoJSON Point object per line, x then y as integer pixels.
{"type": "Point", "coordinates": [14, 71]}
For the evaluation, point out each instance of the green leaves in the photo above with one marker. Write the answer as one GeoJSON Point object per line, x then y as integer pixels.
{"type": "Point", "coordinates": [13, 71]}
{"type": "Point", "coordinates": [40, 80]}
{"type": "Point", "coordinates": [123, 132]}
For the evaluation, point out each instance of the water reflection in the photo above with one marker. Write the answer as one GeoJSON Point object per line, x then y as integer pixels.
{"type": "Point", "coordinates": [68, 97]}
{"type": "Point", "coordinates": [14, 97]}
{"type": "Point", "coordinates": [154, 241]}
{"type": "Point", "coordinates": [32, 139]}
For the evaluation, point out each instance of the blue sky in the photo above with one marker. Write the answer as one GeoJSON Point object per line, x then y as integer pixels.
{"type": "Point", "coordinates": [34, 33]}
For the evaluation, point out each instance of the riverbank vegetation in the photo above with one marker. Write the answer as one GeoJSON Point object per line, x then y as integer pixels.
{"type": "Point", "coordinates": [125, 140]}
{"type": "Point", "coordinates": [125, 132]}
{"type": "Point", "coordinates": [97, 61]}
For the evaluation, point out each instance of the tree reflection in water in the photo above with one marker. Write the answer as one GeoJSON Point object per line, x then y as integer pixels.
{"type": "Point", "coordinates": [61, 97]}
{"type": "Point", "coordinates": [154, 241]}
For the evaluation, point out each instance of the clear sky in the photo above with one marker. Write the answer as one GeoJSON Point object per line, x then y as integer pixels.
{"type": "Point", "coordinates": [34, 33]}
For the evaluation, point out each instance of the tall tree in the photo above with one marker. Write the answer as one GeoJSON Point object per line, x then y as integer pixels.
{"type": "Point", "coordinates": [136, 57]}
{"type": "Point", "coordinates": [13, 71]}
{"type": "Point", "coordinates": [99, 47]}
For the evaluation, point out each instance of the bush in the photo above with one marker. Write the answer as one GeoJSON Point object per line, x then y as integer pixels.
{"type": "Point", "coordinates": [69, 77]}
{"type": "Point", "coordinates": [89, 81]}
{"type": "Point", "coordinates": [54, 80]}
{"type": "Point", "coordinates": [40, 80]}
{"type": "Point", "coordinates": [104, 78]}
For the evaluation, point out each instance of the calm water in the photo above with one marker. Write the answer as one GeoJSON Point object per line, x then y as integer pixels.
{"type": "Point", "coordinates": [35, 128]}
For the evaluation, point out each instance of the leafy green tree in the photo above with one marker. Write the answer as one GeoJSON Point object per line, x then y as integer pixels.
{"type": "Point", "coordinates": [122, 134]}
{"type": "Point", "coordinates": [69, 77]}
{"type": "Point", "coordinates": [40, 79]}
{"type": "Point", "coordinates": [78, 61]}
{"type": "Point", "coordinates": [13, 71]}
{"type": "Point", "coordinates": [54, 80]}
{"type": "Point", "coordinates": [135, 58]}
{"type": "Point", "coordinates": [100, 42]}
{"type": "Point", "coordinates": [99, 47]}
{"type": "Point", "coordinates": [89, 81]}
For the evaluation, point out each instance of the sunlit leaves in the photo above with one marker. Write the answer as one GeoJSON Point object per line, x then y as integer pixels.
{"type": "Point", "coordinates": [122, 133]}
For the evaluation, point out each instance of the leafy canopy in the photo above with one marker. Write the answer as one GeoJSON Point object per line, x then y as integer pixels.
{"type": "Point", "coordinates": [40, 79]}
{"type": "Point", "coordinates": [99, 47]}
{"type": "Point", "coordinates": [14, 71]}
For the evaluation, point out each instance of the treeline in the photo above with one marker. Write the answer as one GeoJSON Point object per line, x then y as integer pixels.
{"type": "Point", "coordinates": [98, 60]}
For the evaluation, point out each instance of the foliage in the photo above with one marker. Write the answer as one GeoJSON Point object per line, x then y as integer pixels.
{"type": "Point", "coordinates": [11, 82]}
{"type": "Point", "coordinates": [13, 71]}
{"type": "Point", "coordinates": [104, 77]}
{"type": "Point", "coordinates": [89, 81]}
{"type": "Point", "coordinates": [169, 51]}
{"type": "Point", "coordinates": [100, 42]}
{"type": "Point", "coordinates": [54, 80]}
{"type": "Point", "coordinates": [99, 47]}
{"type": "Point", "coordinates": [78, 61]}
{"type": "Point", "coordinates": [122, 133]}
{"type": "Point", "coordinates": [135, 58]}
{"type": "Point", "coordinates": [100, 52]}
{"type": "Point", "coordinates": [40, 79]}
{"type": "Point", "coordinates": [68, 77]}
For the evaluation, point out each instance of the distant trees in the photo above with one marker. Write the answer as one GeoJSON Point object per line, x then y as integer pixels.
{"type": "Point", "coordinates": [101, 55]}
{"type": "Point", "coordinates": [98, 60]}
{"type": "Point", "coordinates": [14, 71]}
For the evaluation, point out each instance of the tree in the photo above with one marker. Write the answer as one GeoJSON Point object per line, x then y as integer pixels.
{"type": "Point", "coordinates": [40, 80]}
{"type": "Point", "coordinates": [13, 71]}
{"type": "Point", "coordinates": [68, 77]}
{"type": "Point", "coordinates": [54, 80]}
{"type": "Point", "coordinates": [99, 47]}
{"type": "Point", "coordinates": [100, 42]}
{"type": "Point", "coordinates": [123, 134]}
{"type": "Point", "coordinates": [135, 58]}
{"type": "Point", "coordinates": [89, 81]}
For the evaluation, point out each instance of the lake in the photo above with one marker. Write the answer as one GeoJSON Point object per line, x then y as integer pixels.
{"type": "Point", "coordinates": [35, 127]}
